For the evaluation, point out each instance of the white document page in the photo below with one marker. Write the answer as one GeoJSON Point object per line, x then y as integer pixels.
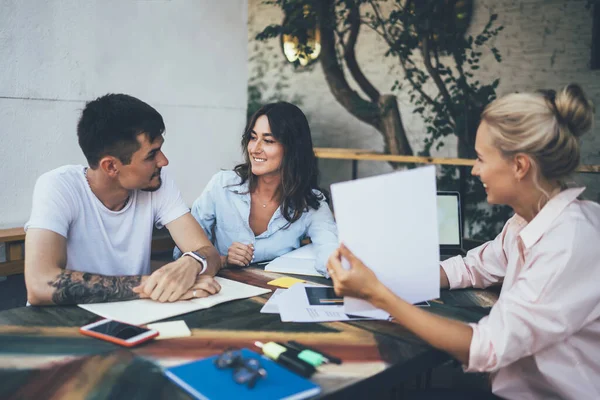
{"type": "Point", "coordinates": [390, 223]}
{"type": "Point", "coordinates": [306, 252]}
{"type": "Point", "coordinates": [308, 303]}
{"type": "Point", "coordinates": [138, 312]}
{"type": "Point", "coordinates": [300, 262]}
{"type": "Point", "coordinates": [271, 306]}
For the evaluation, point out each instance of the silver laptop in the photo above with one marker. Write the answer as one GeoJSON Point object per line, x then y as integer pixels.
{"type": "Point", "coordinates": [449, 224]}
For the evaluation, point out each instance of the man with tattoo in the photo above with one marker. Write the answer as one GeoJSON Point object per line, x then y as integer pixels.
{"type": "Point", "coordinates": [90, 231]}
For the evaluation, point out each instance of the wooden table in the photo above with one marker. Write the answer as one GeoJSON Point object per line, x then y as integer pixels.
{"type": "Point", "coordinates": [42, 355]}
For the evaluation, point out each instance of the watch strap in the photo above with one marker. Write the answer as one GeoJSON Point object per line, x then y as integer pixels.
{"type": "Point", "coordinates": [198, 257]}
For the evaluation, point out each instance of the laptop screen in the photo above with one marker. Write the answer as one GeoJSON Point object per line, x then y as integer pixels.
{"type": "Point", "coordinates": [448, 208]}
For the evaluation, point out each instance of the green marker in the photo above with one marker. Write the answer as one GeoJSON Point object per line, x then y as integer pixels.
{"type": "Point", "coordinates": [313, 358]}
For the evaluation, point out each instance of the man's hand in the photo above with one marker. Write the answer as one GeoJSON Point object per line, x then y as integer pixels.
{"type": "Point", "coordinates": [240, 254]}
{"type": "Point", "coordinates": [170, 282]}
{"type": "Point", "coordinates": [204, 286]}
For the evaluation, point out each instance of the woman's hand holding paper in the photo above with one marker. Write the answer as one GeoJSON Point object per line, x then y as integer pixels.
{"type": "Point", "coordinates": [358, 281]}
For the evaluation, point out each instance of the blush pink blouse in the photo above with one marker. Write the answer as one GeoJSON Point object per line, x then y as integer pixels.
{"type": "Point", "coordinates": [541, 339]}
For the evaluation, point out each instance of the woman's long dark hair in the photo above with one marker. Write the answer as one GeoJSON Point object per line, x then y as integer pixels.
{"type": "Point", "coordinates": [299, 170]}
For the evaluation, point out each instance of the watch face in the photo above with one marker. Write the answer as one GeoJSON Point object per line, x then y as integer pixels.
{"type": "Point", "coordinates": [199, 255]}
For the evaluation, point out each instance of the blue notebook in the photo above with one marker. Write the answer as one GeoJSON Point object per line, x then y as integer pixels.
{"type": "Point", "coordinates": [203, 380]}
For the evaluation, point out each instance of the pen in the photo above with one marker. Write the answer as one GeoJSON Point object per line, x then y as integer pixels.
{"type": "Point", "coordinates": [259, 263]}
{"type": "Point", "coordinates": [284, 357]}
{"type": "Point", "coordinates": [329, 358]}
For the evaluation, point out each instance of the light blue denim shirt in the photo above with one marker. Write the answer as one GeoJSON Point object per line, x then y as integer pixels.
{"type": "Point", "coordinates": [223, 211]}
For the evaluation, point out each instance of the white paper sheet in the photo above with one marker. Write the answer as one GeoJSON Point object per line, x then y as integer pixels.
{"type": "Point", "coordinates": [304, 252]}
{"type": "Point", "coordinates": [271, 306]}
{"type": "Point", "coordinates": [295, 306]}
{"type": "Point", "coordinates": [390, 223]}
{"type": "Point", "coordinates": [300, 262]}
{"type": "Point", "coordinates": [138, 312]}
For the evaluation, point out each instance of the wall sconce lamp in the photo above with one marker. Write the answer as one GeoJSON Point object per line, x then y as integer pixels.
{"type": "Point", "coordinates": [295, 52]}
{"type": "Point", "coordinates": [302, 52]}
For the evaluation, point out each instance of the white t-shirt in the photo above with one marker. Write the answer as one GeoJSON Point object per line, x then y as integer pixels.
{"type": "Point", "coordinates": [99, 240]}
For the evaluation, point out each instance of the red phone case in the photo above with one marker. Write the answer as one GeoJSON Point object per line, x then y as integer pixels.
{"type": "Point", "coordinates": [115, 340]}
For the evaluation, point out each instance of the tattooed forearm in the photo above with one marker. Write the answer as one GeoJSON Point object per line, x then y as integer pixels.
{"type": "Point", "coordinates": [73, 287]}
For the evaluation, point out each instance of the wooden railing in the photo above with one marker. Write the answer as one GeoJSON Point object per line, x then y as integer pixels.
{"type": "Point", "coordinates": [356, 155]}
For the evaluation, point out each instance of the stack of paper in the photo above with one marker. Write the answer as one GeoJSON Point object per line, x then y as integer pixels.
{"type": "Point", "coordinates": [311, 303]}
{"type": "Point", "coordinates": [390, 223]}
{"type": "Point", "coordinates": [138, 312]}
{"type": "Point", "coordinates": [300, 262]}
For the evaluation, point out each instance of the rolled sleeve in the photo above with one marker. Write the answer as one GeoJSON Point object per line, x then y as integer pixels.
{"type": "Point", "coordinates": [322, 231]}
{"type": "Point", "coordinates": [483, 266]}
{"type": "Point", "coordinates": [482, 356]}
{"type": "Point", "coordinates": [454, 268]}
{"type": "Point", "coordinates": [204, 212]}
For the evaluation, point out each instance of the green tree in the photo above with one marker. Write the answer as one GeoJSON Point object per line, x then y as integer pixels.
{"type": "Point", "coordinates": [424, 36]}
{"type": "Point", "coordinates": [439, 63]}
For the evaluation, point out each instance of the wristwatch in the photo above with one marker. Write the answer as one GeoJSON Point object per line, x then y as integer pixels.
{"type": "Point", "coordinates": [198, 257]}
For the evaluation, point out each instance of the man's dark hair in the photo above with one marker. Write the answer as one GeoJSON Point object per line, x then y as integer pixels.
{"type": "Point", "coordinates": [110, 125]}
{"type": "Point", "coordinates": [299, 170]}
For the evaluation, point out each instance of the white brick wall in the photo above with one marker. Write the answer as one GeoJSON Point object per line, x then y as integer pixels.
{"type": "Point", "coordinates": [545, 44]}
{"type": "Point", "coordinates": [186, 58]}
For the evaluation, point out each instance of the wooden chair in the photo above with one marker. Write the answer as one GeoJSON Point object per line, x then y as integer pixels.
{"type": "Point", "coordinates": [14, 246]}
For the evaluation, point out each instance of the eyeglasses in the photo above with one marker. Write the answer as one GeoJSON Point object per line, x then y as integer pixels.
{"type": "Point", "coordinates": [246, 371]}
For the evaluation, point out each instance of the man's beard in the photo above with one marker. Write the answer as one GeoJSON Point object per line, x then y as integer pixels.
{"type": "Point", "coordinates": [154, 188]}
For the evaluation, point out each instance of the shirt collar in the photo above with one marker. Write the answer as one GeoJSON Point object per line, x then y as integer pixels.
{"type": "Point", "coordinates": [542, 221]}
{"type": "Point", "coordinates": [238, 188]}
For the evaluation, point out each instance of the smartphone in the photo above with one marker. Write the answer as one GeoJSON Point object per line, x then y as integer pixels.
{"type": "Point", "coordinates": [118, 332]}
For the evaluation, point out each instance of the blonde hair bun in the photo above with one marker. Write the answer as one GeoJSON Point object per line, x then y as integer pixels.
{"type": "Point", "coordinates": [574, 109]}
{"type": "Point", "coordinates": [545, 125]}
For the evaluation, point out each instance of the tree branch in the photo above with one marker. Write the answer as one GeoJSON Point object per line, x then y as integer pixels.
{"type": "Point", "coordinates": [462, 81]}
{"type": "Point", "coordinates": [386, 36]}
{"type": "Point", "coordinates": [392, 127]}
{"type": "Point", "coordinates": [365, 111]}
{"type": "Point", "coordinates": [426, 52]}
{"type": "Point", "coordinates": [388, 39]}
{"type": "Point", "coordinates": [467, 135]}
{"type": "Point", "coordinates": [436, 54]}
{"type": "Point", "coordinates": [350, 55]}
{"type": "Point", "coordinates": [418, 88]}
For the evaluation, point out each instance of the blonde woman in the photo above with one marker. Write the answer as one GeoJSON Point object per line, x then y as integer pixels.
{"type": "Point", "coordinates": [542, 338]}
